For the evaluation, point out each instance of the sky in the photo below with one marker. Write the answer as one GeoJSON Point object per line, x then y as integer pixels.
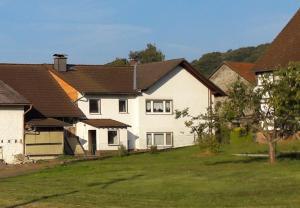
{"type": "Point", "coordinates": [98, 31]}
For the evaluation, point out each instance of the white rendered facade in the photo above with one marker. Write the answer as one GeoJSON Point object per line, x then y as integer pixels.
{"type": "Point", "coordinates": [178, 90]}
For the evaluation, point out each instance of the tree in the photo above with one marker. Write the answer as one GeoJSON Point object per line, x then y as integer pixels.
{"type": "Point", "coordinates": [273, 108]}
{"type": "Point", "coordinates": [150, 54]}
{"type": "Point", "coordinates": [119, 62]}
{"type": "Point", "coordinates": [206, 126]}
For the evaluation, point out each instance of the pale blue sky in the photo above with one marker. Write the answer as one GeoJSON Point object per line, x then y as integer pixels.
{"type": "Point", "coordinates": [97, 31]}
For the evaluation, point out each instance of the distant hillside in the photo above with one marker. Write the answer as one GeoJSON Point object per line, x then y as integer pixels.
{"type": "Point", "coordinates": [210, 61]}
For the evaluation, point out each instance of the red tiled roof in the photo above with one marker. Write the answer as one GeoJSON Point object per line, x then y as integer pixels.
{"type": "Point", "coordinates": [243, 69]}
{"type": "Point", "coordinates": [284, 49]}
{"type": "Point", "coordinates": [105, 123]}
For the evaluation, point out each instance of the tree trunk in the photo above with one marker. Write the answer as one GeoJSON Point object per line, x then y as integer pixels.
{"type": "Point", "coordinates": [272, 152]}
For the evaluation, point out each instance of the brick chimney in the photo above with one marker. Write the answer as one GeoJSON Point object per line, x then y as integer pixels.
{"type": "Point", "coordinates": [60, 62]}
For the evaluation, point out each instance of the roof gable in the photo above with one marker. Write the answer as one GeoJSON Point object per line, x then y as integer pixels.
{"type": "Point", "coordinates": [284, 49]}
{"type": "Point", "coordinates": [243, 69]}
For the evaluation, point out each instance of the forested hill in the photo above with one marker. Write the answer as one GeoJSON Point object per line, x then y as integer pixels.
{"type": "Point", "coordinates": [208, 62]}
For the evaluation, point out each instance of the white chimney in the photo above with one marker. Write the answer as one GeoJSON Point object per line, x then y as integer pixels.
{"type": "Point", "coordinates": [60, 62]}
{"type": "Point", "coordinates": [134, 63]}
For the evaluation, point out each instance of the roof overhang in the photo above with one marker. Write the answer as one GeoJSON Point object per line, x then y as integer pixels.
{"type": "Point", "coordinates": [105, 123]}
{"type": "Point", "coordinates": [47, 122]}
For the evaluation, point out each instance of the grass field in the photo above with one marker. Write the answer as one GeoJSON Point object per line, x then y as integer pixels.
{"type": "Point", "coordinates": [178, 178]}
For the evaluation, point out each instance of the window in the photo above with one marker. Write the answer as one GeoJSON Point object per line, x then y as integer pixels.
{"type": "Point", "coordinates": [113, 137]}
{"type": "Point", "coordinates": [123, 106]}
{"type": "Point", "coordinates": [159, 139]}
{"type": "Point", "coordinates": [149, 139]}
{"type": "Point", "coordinates": [148, 106]}
{"type": "Point", "coordinates": [159, 106]}
{"type": "Point", "coordinates": [94, 106]}
{"type": "Point", "coordinates": [168, 106]}
{"type": "Point", "coordinates": [169, 139]}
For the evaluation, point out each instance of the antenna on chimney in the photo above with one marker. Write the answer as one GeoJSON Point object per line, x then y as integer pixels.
{"type": "Point", "coordinates": [60, 62]}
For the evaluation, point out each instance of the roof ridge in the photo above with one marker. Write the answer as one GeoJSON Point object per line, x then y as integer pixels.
{"type": "Point", "coordinates": [156, 62]}
{"type": "Point", "coordinates": [21, 64]}
{"type": "Point", "coordinates": [239, 62]}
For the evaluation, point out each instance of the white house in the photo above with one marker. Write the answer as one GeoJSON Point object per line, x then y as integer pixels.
{"type": "Point", "coordinates": [11, 123]}
{"type": "Point", "coordinates": [134, 105]}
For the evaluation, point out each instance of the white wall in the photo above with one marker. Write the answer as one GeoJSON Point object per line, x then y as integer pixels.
{"type": "Point", "coordinates": [101, 137]}
{"type": "Point", "coordinates": [179, 86]}
{"type": "Point", "coordinates": [110, 110]}
{"type": "Point", "coordinates": [185, 91]}
{"type": "Point", "coordinates": [11, 129]}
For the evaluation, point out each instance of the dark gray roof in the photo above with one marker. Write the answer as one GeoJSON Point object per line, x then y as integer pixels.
{"type": "Point", "coordinates": [8, 96]}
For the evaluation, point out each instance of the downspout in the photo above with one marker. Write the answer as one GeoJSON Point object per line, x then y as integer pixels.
{"type": "Point", "coordinates": [24, 143]}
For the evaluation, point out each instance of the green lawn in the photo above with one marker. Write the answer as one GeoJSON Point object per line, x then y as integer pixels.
{"type": "Point", "coordinates": [178, 178]}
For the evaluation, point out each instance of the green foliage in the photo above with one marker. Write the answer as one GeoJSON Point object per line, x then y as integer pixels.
{"type": "Point", "coordinates": [242, 102]}
{"type": "Point", "coordinates": [207, 126]}
{"type": "Point", "coordinates": [119, 62]}
{"type": "Point", "coordinates": [210, 61]}
{"type": "Point", "coordinates": [122, 151]}
{"type": "Point", "coordinates": [239, 136]}
{"type": "Point", "coordinates": [281, 94]}
{"type": "Point", "coordinates": [150, 54]}
{"type": "Point", "coordinates": [209, 143]}
{"type": "Point", "coordinates": [147, 55]}
{"type": "Point", "coordinates": [153, 149]}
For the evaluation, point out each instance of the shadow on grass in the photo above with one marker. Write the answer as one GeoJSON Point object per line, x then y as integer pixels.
{"type": "Point", "coordinates": [40, 199]}
{"type": "Point", "coordinates": [114, 181]}
{"type": "Point", "coordinates": [289, 155]}
{"type": "Point", "coordinates": [104, 185]}
{"type": "Point", "coordinates": [241, 161]}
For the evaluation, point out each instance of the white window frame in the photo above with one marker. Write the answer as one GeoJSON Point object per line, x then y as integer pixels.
{"type": "Point", "coordinates": [118, 137]}
{"type": "Point", "coordinates": [164, 106]}
{"type": "Point", "coordinates": [99, 106]}
{"type": "Point", "coordinates": [126, 106]}
{"type": "Point", "coordinates": [165, 139]}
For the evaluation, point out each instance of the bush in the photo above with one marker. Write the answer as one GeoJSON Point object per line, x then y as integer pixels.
{"type": "Point", "coordinates": [209, 143]}
{"type": "Point", "coordinates": [122, 150]}
{"type": "Point", "coordinates": [240, 136]}
{"type": "Point", "coordinates": [153, 150]}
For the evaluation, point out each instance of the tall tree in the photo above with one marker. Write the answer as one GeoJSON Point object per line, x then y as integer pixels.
{"type": "Point", "coordinates": [150, 54]}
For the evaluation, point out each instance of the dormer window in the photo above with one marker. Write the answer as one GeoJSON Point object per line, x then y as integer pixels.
{"type": "Point", "coordinates": [94, 106]}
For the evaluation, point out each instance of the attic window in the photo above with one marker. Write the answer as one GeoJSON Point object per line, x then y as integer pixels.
{"type": "Point", "coordinates": [94, 106]}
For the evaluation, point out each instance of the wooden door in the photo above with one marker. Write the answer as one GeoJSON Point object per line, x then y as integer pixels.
{"type": "Point", "coordinates": [92, 142]}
